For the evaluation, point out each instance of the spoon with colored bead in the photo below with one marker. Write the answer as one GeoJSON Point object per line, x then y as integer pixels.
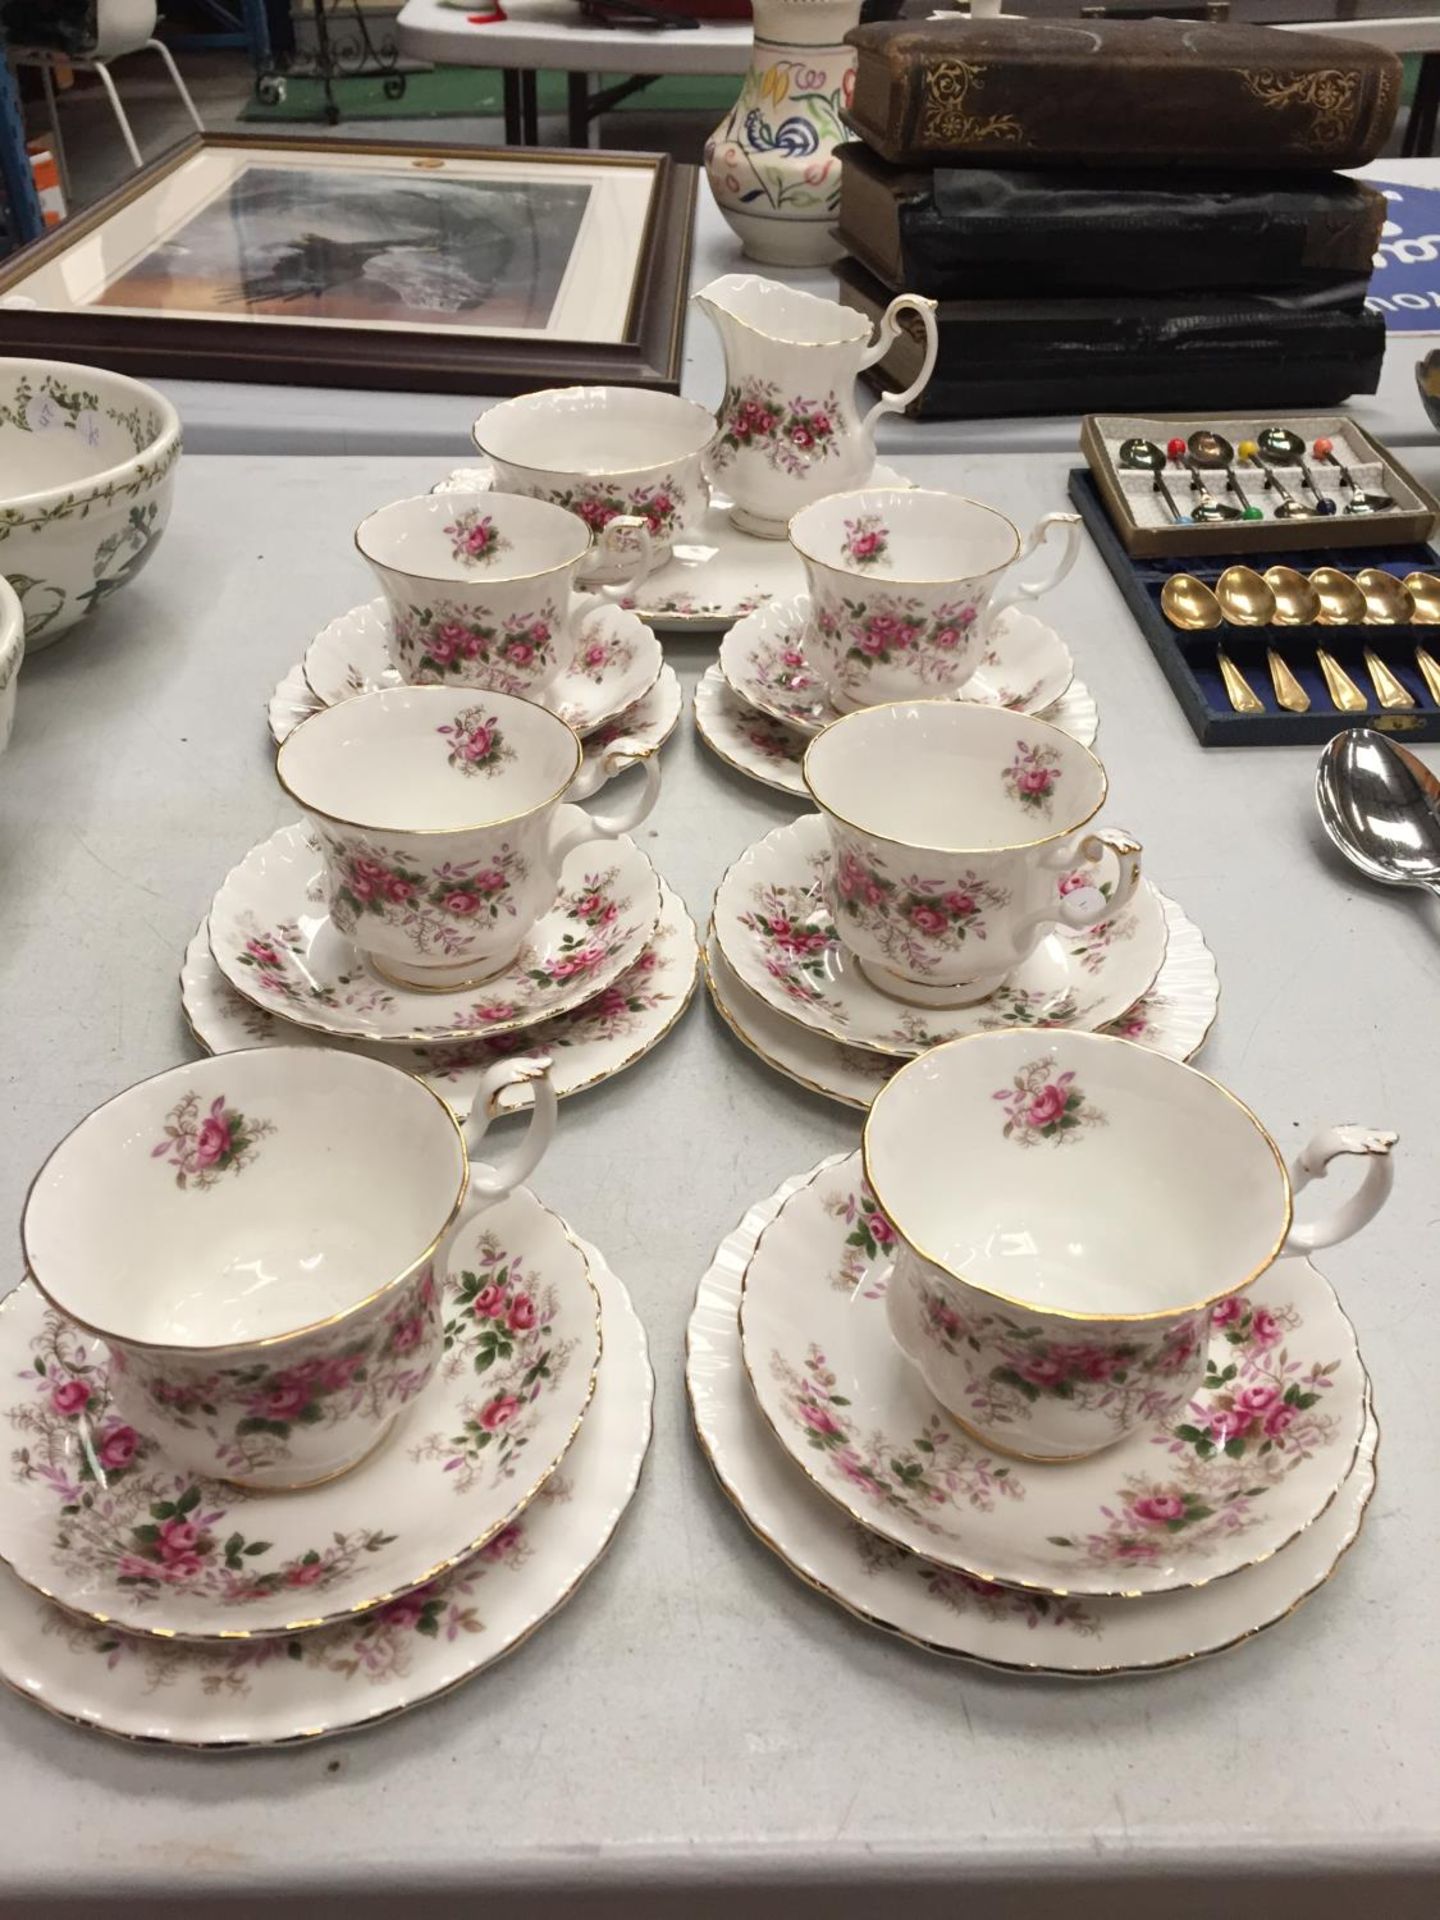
{"type": "Point", "coordinates": [1209, 506]}
{"type": "Point", "coordinates": [1360, 501]}
{"type": "Point", "coordinates": [1289, 508]}
{"type": "Point", "coordinates": [1214, 451]}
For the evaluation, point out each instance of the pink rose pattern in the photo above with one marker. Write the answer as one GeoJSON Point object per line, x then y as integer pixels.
{"type": "Point", "coordinates": [274, 956]}
{"type": "Point", "coordinates": [1042, 1105]}
{"type": "Point", "coordinates": [477, 743]}
{"type": "Point", "coordinates": [791, 433]}
{"type": "Point", "coordinates": [869, 1235]}
{"type": "Point", "coordinates": [204, 1148]}
{"type": "Point", "coordinates": [434, 908]}
{"type": "Point", "coordinates": [962, 1593]}
{"type": "Point", "coordinates": [913, 920]}
{"type": "Point", "coordinates": [663, 504]}
{"type": "Point", "coordinates": [866, 541]}
{"type": "Point", "coordinates": [1258, 1412]}
{"type": "Point", "coordinates": [1032, 776]}
{"type": "Point", "coordinates": [450, 641]}
{"type": "Point", "coordinates": [475, 540]}
{"type": "Point", "coordinates": [1011, 1367]}
{"type": "Point", "coordinates": [121, 1513]}
{"type": "Point", "coordinates": [784, 675]}
{"type": "Point", "coordinates": [891, 629]}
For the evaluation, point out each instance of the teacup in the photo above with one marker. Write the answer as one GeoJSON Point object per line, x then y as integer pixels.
{"type": "Point", "coordinates": [1072, 1211]}
{"type": "Point", "coordinates": [256, 1239]}
{"type": "Point", "coordinates": [906, 586]}
{"type": "Point", "coordinates": [604, 453]}
{"type": "Point", "coordinates": [481, 585]}
{"type": "Point", "coordinates": [435, 811]}
{"type": "Point", "coordinates": [957, 843]}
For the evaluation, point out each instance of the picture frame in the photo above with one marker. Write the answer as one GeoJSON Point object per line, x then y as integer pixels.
{"type": "Point", "coordinates": [362, 263]}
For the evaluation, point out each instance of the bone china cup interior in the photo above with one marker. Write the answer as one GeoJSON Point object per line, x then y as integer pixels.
{"type": "Point", "coordinates": [603, 451]}
{"type": "Point", "coordinates": [900, 580]}
{"type": "Point", "coordinates": [1070, 1208]}
{"type": "Point", "coordinates": [252, 1237]}
{"type": "Point", "coordinates": [434, 808]}
{"type": "Point", "coordinates": [479, 586]}
{"type": "Point", "coordinates": [956, 843]}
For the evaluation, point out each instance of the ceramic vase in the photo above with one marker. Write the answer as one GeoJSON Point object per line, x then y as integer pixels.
{"type": "Point", "coordinates": [771, 162]}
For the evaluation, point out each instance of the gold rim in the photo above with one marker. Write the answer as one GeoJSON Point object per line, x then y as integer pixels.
{"type": "Point", "coordinates": [748, 1041]}
{"type": "Point", "coordinates": [906, 579]}
{"type": "Point", "coordinates": [1070, 1313]}
{"type": "Point", "coordinates": [427, 833]}
{"type": "Point", "coordinates": [954, 706]}
{"type": "Point", "coordinates": [619, 1507]}
{"type": "Point", "coordinates": [713, 743]}
{"type": "Point", "coordinates": [871, 1524]}
{"type": "Point", "coordinates": [269, 1341]}
{"type": "Point", "coordinates": [460, 580]}
{"type": "Point", "coordinates": [699, 414]}
{"type": "Point", "coordinates": [407, 1585]}
{"type": "Point", "coordinates": [703, 300]}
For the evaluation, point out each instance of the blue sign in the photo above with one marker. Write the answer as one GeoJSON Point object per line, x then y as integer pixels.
{"type": "Point", "coordinates": [1406, 285]}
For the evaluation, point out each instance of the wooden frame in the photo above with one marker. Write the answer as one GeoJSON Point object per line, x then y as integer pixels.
{"type": "Point", "coordinates": [181, 346]}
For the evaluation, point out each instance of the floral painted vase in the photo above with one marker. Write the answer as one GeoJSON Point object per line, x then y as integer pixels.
{"type": "Point", "coordinates": [771, 163]}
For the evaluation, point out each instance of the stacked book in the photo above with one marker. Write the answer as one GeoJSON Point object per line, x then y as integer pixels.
{"type": "Point", "coordinates": [1118, 214]}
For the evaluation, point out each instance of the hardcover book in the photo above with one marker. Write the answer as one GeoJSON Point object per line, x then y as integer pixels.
{"type": "Point", "coordinates": [1119, 93]}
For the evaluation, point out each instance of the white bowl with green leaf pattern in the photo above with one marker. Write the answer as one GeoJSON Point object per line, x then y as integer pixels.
{"type": "Point", "coordinates": [87, 472]}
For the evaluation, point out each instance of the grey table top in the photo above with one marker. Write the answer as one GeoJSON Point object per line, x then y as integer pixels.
{"type": "Point", "coordinates": [697, 1722]}
{"type": "Point", "coordinates": [227, 417]}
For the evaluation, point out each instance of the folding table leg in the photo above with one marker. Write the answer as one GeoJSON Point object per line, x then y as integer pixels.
{"type": "Point", "coordinates": [513, 135]}
{"type": "Point", "coordinates": [529, 109]}
{"type": "Point", "coordinates": [578, 102]}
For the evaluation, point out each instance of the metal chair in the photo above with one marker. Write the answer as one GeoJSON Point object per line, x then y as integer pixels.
{"type": "Point", "coordinates": [121, 27]}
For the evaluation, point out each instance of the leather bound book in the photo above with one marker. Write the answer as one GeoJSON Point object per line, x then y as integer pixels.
{"type": "Point", "coordinates": [958, 231]}
{"type": "Point", "coordinates": [1178, 353]}
{"type": "Point", "coordinates": [1119, 93]}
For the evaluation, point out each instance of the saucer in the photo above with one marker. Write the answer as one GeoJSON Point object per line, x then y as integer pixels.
{"type": "Point", "coordinates": [276, 1691]}
{"type": "Point", "coordinates": [772, 924]}
{"type": "Point", "coordinates": [767, 750]}
{"type": "Point", "coordinates": [1026, 667]}
{"type": "Point", "coordinates": [716, 574]}
{"type": "Point", "coordinates": [1174, 1016]}
{"type": "Point", "coordinates": [275, 944]}
{"type": "Point", "coordinates": [952, 1613]}
{"type": "Point", "coordinates": [91, 1514]}
{"type": "Point", "coordinates": [614, 662]}
{"type": "Point", "coordinates": [588, 1045]}
{"type": "Point", "coordinates": [1258, 1454]}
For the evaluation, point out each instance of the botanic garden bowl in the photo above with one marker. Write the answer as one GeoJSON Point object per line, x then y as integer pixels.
{"type": "Point", "coordinates": [87, 474]}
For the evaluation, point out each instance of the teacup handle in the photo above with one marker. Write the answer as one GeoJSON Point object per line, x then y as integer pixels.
{"type": "Point", "coordinates": [492, 1180]}
{"type": "Point", "coordinates": [885, 335]}
{"type": "Point", "coordinates": [1086, 905]}
{"type": "Point", "coordinates": [1363, 1204]}
{"type": "Point", "coordinates": [1012, 590]}
{"type": "Point", "coordinates": [607, 545]}
{"type": "Point", "coordinates": [613, 759]}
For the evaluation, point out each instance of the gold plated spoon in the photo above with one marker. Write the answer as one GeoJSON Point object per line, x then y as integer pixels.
{"type": "Point", "coordinates": [1387, 602]}
{"type": "Point", "coordinates": [1345, 696]}
{"type": "Point", "coordinates": [1389, 691]}
{"type": "Point", "coordinates": [1429, 671]}
{"type": "Point", "coordinates": [1342, 604]}
{"type": "Point", "coordinates": [1288, 690]}
{"type": "Point", "coordinates": [1245, 599]}
{"type": "Point", "coordinates": [1424, 591]}
{"type": "Point", "coordinates": [1241, 695]}
{"type": "Point", "coordinates": [1189, 604]}
{"type": "Point", "coordinates": [1297, 604]}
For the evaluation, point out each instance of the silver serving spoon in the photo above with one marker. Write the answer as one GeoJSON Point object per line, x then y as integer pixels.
{"type": "Point", "coordinates": [1380, 805]}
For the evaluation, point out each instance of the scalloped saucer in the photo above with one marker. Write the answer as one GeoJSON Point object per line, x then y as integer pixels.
{"type": "Point", "coordinates": [96, 1518]}
{"type": "Point", "coordinates": [757, 744]}
{"type": "Point", "coordinates": [713, 576]}
{"type": "Point", "coordinates": [276, 1691]}
{"type": "Point", "coordinates": [772, 924]}
{"type": "Point", "coordinates": [1261, 1450]}
{"type": "Point", "coordinates": [587, 1046]}
{"type": "Point", "coordinates": [1174, 1016]}
{"type": "Point", "coordinates": [933, 1606]}
{"type": "Point", "coordinates": [615, 660]}
{"type": "Point", "coordinates": [1026, 667]}
{"type": "Point", "coordinates": [276, 945]}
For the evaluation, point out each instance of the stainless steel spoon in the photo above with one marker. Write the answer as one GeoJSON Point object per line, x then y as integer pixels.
{"type": "Point", "coordinates": [1143, 456]}
{"type": "Point", "coordinates": [1380, 805]}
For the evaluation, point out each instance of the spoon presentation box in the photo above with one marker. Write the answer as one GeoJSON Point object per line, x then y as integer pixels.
{"type": "Point", "coordinates": [1146, 530]}
{"type": "Point", "coordinates": [1191, 661]}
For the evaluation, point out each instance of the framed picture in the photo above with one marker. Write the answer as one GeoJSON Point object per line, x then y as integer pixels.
{"type": "Point", "coordinates": [360, 264]}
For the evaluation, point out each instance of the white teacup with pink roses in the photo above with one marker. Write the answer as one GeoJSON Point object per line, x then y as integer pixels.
{"type": "Point", "coordinates": [255, 1238]}
{"type": "Point", "coordinates": [1071, 1213]}
{"type": "Point", "coordinates": [435, 809]}
{"type": "Point", "coordinates": [481, 586]}
{"type": "Point", "coordinates": [959, 837]}
{"type": "Point", "coordinates": [906, 586]}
